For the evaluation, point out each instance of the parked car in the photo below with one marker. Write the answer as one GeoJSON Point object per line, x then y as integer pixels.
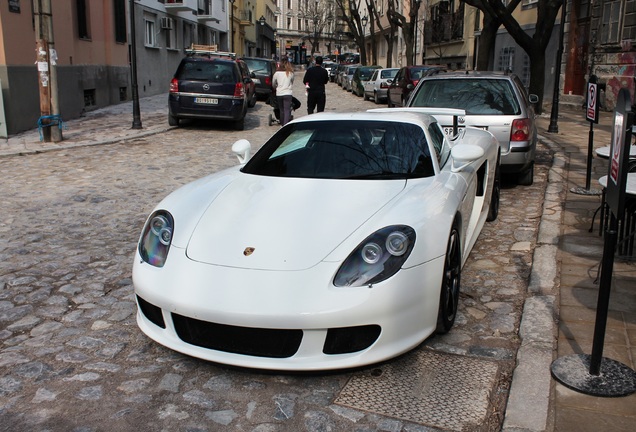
{"type": "Point", "coordinates": [360, 77]}
{"type": "Point", "coordinates": [206, 86]}
{"type": "Point", "coordinates": [347, 78]}
{"type": "Point", "coordinates": [219, 274]}
{"type": "Point", "coordinates": [329, 66]}
{"type": "Point", "coordinates": [341, 73]}
{"type": "Point", "coordinates": [497, 102]}
{"type": "Point", "coordinates": [405, 81]}
{"type": "Point", "coordinates": [263, 70]}
{"type": "Point", "coordinates": [377, 86]}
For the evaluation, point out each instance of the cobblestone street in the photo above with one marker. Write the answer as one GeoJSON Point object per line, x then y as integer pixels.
{"type": "Point", "coordinates": [73, 359]}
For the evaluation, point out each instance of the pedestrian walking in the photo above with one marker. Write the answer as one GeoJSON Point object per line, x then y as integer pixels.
{"type": "Point", "coordinates": [282, 82]}
{"type": "Point", "coordinates": [315, 79]}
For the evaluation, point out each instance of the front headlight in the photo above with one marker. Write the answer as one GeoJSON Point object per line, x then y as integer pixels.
{"type": "Point", "coordinates": [156, 238]}
{"type": "Point", "coordinates": [377, 258]}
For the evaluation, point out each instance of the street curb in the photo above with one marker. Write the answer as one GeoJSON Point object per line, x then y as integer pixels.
{"type": "Point", "coordinates": [529, 406]}
{"type": "Point", "coordinates": [69, 145]}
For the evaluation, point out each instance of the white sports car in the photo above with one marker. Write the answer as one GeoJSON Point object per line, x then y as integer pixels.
{"type": "Point", "coordinates": [339, 244]}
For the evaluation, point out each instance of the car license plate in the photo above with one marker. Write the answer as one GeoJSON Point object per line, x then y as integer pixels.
{"type": "Point", "coordinates": [206, 101]}
{"type": "Point", "coordinates": [256, 80]}
{"type": "Point", "coordinates": [448, 130]}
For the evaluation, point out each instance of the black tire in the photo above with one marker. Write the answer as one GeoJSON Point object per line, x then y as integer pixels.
{"type": "Point", "coordinates": [172, 120]}
{"type": "Point", "coordinates": [252, 101]}
{"type": "Point", "coordinates": [526, 178]}
{"type": "Point", "coordinates": [375, 98]}
{"type": "Point", "coordinates": [364, 96]}
{"type": "Point", "coordinates": [240, 124]}
{"type": "Point", "coordinates": [493, 209]}
{"type": "Point", "coordinates": [270, 120]}
{"type": "Point", "coordinates": [451, 281]}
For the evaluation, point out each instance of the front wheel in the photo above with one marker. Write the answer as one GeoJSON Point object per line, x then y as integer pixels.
{"type": "Point", "coordinates": [451, 279]}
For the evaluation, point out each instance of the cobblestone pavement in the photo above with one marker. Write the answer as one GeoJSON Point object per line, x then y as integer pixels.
{"type": "Point", "coordinates": [73, 359]}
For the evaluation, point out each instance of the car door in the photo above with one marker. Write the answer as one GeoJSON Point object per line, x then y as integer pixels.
{"type": "Point", "coordinates": [394, 93]}
{"type": "Point", "coordinates": [370, 85]}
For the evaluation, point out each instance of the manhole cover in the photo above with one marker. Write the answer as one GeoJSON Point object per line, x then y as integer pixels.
{"type": "Point", "coordinates": [439, 390]}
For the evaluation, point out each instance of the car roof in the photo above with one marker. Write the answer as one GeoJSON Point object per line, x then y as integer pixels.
{"type": "Point", "coordinates": [419, 116]}
{"type": "Point", "coordinates": [471, 74]}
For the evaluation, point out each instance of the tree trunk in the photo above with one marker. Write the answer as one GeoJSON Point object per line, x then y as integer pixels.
{"type": "Point", "coordinates": [486, 55]}
{"type": "Point", "coordinates": [537, 76]}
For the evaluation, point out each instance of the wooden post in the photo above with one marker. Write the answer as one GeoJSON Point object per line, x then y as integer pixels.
{"type": "Point", "coordinates": [42, 61]}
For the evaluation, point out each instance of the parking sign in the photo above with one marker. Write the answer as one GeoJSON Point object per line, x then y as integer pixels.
{"type": "Point", "coordinates": [591, 112]}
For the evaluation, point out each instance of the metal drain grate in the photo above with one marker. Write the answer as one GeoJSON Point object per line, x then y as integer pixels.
{"type": "Point", "coordinates": [439, 390]}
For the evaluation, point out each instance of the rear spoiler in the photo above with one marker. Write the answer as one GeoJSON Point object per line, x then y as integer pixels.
{"type": "Point", "coordinates": [456, 113]}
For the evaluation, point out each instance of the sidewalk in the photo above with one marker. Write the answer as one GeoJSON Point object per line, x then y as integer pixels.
{"type": "Point", "coordinates": [580, 253]}
{"type": "Point", "coordinates": [559, 315]}
{"type": "Point", "coordinates": [102, 126]}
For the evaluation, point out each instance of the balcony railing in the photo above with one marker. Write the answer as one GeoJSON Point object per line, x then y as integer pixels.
{"type": "Point", "coordinates": [174, 6]}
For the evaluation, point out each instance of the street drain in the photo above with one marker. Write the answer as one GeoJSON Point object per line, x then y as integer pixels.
{"type": "Point", "coordinates": [440, 390]}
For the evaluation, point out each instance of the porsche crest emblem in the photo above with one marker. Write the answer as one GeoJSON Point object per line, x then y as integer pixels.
{"type": "Point", "coordinates": [248, 251]}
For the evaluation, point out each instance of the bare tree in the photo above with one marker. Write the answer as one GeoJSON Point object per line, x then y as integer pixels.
{"type": "Point", "coordinates": [534, 45]}
{"type": "Point", "coordinates": [407, 23]}
{"type": "Point", "coordinates": [349, 12]}
{"type": "Point", "coordinates": [318, 17]}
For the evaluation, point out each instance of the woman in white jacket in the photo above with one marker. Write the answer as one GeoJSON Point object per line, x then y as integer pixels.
{"type": "Point", "coordinates": [282, 82]}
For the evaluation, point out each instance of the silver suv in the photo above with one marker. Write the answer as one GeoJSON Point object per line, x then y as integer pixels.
{"type": "Point", "coordinates": [497, 102]}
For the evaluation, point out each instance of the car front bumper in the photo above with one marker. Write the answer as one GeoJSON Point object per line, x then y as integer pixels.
{"type": "Point", "coordinates": [293, 317]}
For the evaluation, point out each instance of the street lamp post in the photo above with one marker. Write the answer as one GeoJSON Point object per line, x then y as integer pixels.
{"type": "Point", "coordinates": [133, 70]}
{"type": "Point", "coordinates": [261, 42]}
{"type": "Point", "coordinates": [232, 25]}
{"type": "Point", "coordinates": [415, 17]}
{"type": "Point", "coordinates": [364, 21]}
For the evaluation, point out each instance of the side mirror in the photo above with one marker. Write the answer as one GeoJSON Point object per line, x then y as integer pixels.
{"type": "Point", "coordinates": [242, 149]}
{"type": "Point", "coordinates": [465, 154]}
{"type": "Point", "coordinates": [533, 98]}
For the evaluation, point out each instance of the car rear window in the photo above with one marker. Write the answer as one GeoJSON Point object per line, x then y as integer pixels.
{"type": "Point", "coordinates": [475, 96]}
{"type": "Point", "coordinates": [388, 73]}
{"type": "Point", "coordinates": [206, 71]}
{"type": "Point", "coordinates": [345, 150]}
{"type": "Point", "coordinates": [261, 66]}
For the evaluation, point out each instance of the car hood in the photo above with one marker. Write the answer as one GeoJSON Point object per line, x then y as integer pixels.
{"type": "Point", "coordinates": [284, 224]}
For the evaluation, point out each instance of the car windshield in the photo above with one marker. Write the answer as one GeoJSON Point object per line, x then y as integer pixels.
{"type": "Point", "coordinates": [205, 71]}
{"type": "Point", "coordinates": [475, 96]}
{"type": "Point", "coordinates": [352, 149]}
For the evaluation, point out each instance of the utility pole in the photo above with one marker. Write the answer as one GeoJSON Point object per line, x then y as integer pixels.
{"type": "Point", "coordinates": [47, 71]}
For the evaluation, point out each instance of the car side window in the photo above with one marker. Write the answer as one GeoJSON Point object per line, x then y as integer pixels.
{"type": "Point", "coordinates": [440, 143]}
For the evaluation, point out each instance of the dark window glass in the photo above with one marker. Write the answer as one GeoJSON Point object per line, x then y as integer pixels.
{"type": "Point", "coordinates": [82, 20]}
{"type": "Point", "coordinates": [353, 149]}
{"type": "Point", "coordinates": [475, 96]}
{"type": "Point", "coordinates": [120, 20]}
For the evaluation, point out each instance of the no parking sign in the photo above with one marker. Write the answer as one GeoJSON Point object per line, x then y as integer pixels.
{"type": "Point", "coordinates": [591, 111]}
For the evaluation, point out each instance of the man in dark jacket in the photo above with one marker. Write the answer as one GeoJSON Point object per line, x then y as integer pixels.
{"type": "Point", "coordinates": [315, 79]}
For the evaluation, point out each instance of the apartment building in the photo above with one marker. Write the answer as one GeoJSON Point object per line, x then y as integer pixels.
{"type": "Point", "coordinates": [92, 43]}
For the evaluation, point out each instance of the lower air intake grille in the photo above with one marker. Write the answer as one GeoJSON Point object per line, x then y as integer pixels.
{"type": "Point", "coordinates": [350, 339]}
{"type": "Point", "coordinates": [257, 342]}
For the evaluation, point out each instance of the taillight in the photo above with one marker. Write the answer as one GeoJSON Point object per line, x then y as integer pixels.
{"type": "Point", "coordinates": [415, 82]}
{"type": "Point", "coordinates": [268, 81]}
{"type": "Point", "coordinates": [384, 85]}
{"type": "Point", "coordinates": [174, 85]}
{"type": "Point", "coordinates": [239, 90]}
{"type": "Point", "coordinates": [520, 130]}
